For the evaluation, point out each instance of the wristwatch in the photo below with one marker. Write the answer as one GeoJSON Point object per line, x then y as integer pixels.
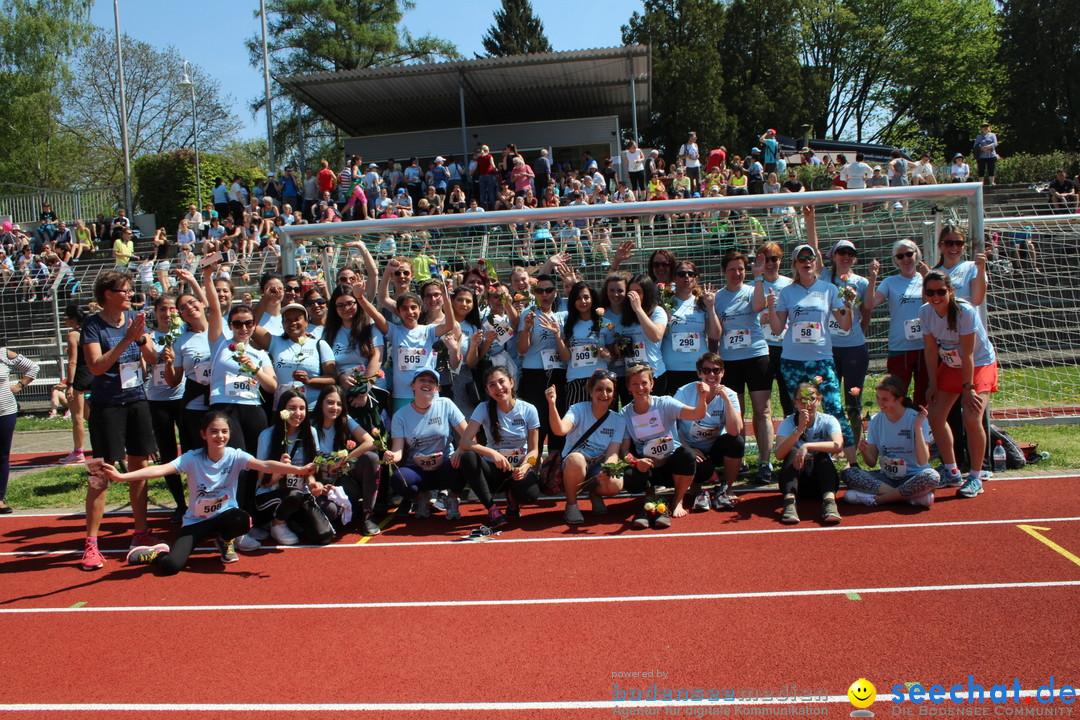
{"type": "Point", "coordinates": [141, 341]}
{"type": "Point", "coordinates": [969, 386]}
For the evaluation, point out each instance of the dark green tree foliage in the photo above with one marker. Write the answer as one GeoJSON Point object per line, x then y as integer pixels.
{"type": "Point", "coordinates": [687, 74]}
{"type": "Point", "coordinates": [317, 36]}
{"type": "Point", "coordinates": [36, 39]}
{"type": "Point", "coordinates": [165, 182]}
{"type": "Point", "coordinates": [1040, 46]}
{"type": "Point", "coordinates": [516, 31]}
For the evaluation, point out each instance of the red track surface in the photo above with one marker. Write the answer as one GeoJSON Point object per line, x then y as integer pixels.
{"type": "Point", "coordinates": [564, 651]}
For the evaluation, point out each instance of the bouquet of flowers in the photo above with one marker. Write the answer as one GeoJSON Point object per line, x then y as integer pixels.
{"type": "Point", "coordinates": [848, 293]}
{"type": "Point", "coordinates": [175, 325]}
{"type": "Point", "coordinates": [666, 295]}
{"type": "Point", "coordinates": [617, 469]}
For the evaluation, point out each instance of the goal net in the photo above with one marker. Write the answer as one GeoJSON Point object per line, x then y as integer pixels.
{"type": "Point", "coordinates": [1033, 318]}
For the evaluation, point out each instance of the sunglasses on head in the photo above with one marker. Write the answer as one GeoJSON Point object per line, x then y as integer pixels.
{"type": "Point", "coordinates": [242, 323]}
{"type": "Point", "coordinates": [953, 243]}
{"type": "Point", "coordinates": [905, 255]}
{"type": "Point", "coordinates": [940, 292]}
{"type": "Point", "coordinates": [600, 374]}
{"type": "Point", "coordinates": [686, 274]}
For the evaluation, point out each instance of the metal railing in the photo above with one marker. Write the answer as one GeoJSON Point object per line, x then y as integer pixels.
{"type": "Point", "coordinates": [68, 205]}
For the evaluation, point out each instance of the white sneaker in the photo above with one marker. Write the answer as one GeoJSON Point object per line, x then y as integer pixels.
{"type": "Point", "coordinates": [282, 535]}
{"type": "Point", "coordinates": [701, 502]}
{"type": "Point", "coordinates": [858, 497]}
{"type": "Point", "coordinates": [246, 543]}
{"type": "Point", "coordinates": [925, 501]}
{"type": "Point", "coordinates": [258, 533]}
{"type": "Point", "coordinates": [422, 506]}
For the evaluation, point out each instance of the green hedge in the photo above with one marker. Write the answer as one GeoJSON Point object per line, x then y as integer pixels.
{"type": "Point", "coordinates": [165, 183]}
{"type": "Point", "coordinates": [1022, 168]}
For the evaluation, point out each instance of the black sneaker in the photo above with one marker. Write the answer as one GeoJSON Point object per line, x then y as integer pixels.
{"type": "Point", "coordinates": [662, 521]}
{"type": "Point", "coordinates": [496, 518]}
{"type": "Point", "coordinates": [226, 550]}
{"type": "Point", "coordinates": [641, 520]}
{"type": "Point", "coordinates": [513, 507]}
{"type": "Point", "coordinates": [370, 528]}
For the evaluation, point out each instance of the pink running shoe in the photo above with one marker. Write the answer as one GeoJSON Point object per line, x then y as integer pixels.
{"type": "Point", "coordinates": [142, 537]}
{"type": "Point", "coordinates": [92, 558]}
{"type": "Point", "coordinates": [73, 458]}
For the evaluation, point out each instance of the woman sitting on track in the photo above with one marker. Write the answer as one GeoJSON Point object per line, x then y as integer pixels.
{"type": "Point", "coordinates": [661, 457]}
{"type": "Point", "coordinates": [422, 447]}
{"type": "Point", "coordinates": [805, 442]}
{"type": "Point", "coordinates": [334, 431]}
{"type": "Point", "coordinates": [512, 450]}
{"type": "Point", "coordinates": [960, 362]}
{"type": "Point", "coordinates": [212, 473]}
{"type": "Point", "coordinates": [594, 432]}
{"type": "Point", "coordinates": [281, 499]}
{"type": "Point", "coordinates": [896, 437]}
{"type": "Point", "coordinates": [716, 439]}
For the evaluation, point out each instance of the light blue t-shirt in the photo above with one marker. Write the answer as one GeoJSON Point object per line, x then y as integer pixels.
{"type": "Point", "coordinates": [156, 387]}
{"type": "Point", "coordinates": [325, 437]}
{"type": "Point", "coordinates": [962, 274]}
{"type": "Point", "coordinates": [428, 439]}
{"type": "Point", "coordinates": [289, 356]}
{"type": "Point", "coordinates": [608, 330]}
{"type": "Point", "coordinates": [654, 432]}
{"type": "Point", "coordinates": [904, 297]}
{"type": "Point", "coordinates": [191, 351]}
{"type": "Point", "coordinates": [853, 337]}
{"type": "Point", "coordinates": [584, 344]}
{"type": "Point", "coordinates": [348, 359]}
{"type": "Point", "coordinates": [782, 281]}
{"type": "Point", "coordinates": [686, 338]}
{"type": "Point", "coordinates": [701, 434]}
{"type": "Point", "coordinates": [409, 351]}
{"type": "Point", "coordinates": [227, 384]}
{"type": "Point", "coordinates": [542, 353]}
{"type": "Point", "coordinates": [741, 337]}
{"type": "Point", "coordinates": [612, 430]}
{"type": "Point", "coordinates": [211, 485]}
{"type": "Point", "coordinates": [822, 430]}
{"type": "Point", "coordinates": [645, 351]}
{"type": "Point", "coordinates": [808, 312]}
{"type": "Point", "coordinates": [967, 322]}
{"type": "Point", "coordinates": [514, 428]}
{"type": "Point", "coordinates": [895, 442]}
{"type": "Point", "coordinates": [272, 323]}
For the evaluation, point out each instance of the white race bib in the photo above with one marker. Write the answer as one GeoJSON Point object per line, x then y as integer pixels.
{"type": "Point", "coordinates": [637, 354]}
{"type": "Point", "coordinates": [913, 329]}
{"type": "Point", "coordinates": [130, 375]}
{"type": "Point", "coordinates": [410, 359]}
{"type": "Point", "coordinates": [428, 462]}
{"type": "Point", "coordinates": [701, 432]}
{"type": "Point", "coordinates": [158, 378]}
{"type": "Point", "coordinates": [834, 328]}
{"type": "Point", "coordinates": [583, 356]}
{"type": "Point", "coordinates": [295, 482]}
{"type": "Point", "coordinates": [950, 357]}
{"type": "Point", "coordinates": [240, 386]}
{"type": "Point", "coordinates": [202, 372]}
{"type": "Point", "coordinates": [503, 331]}
{"type": "Point", "coordinates": [552, 360]}
{"type": "Point", "coordinates": [515, 457]}
{"type": "Point", "coordinates": [659, 447]}
{"type": "Point", "coordinates": [895, 468]}
{"type": "Point", "coordinates": [807, 332]}
{"type": "Point", "coordinates": [766, 328]}
{"type": "Point", "coordinates": [686, 342]}
{"type": "Point", "coordinates": [737, 340]}
{"type": "Point", "coordinates": [209, 506]}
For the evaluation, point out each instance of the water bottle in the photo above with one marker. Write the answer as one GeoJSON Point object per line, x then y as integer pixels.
{"type": "Point", "coordinates": [999, 457]}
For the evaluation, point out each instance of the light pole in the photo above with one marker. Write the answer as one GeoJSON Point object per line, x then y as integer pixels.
{"type": "Point", "coordinates": [123, 111]}
{"type": "Point", "coordinates": [266, 81]}
{"type": "Point", "coordinates": [187, 83]}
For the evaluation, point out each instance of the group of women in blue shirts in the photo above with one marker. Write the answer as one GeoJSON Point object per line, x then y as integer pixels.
{"type": "Point", "coordinates": [465, 390]}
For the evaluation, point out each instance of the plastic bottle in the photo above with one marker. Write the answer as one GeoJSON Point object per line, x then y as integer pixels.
{"type": "Point", "coordinates": [999, 457]}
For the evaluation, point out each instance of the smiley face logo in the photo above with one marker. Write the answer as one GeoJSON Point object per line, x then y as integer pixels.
{"type": "Point", "coordinates": [862, 693]}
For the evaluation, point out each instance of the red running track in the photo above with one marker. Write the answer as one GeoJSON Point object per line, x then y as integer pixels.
{"type": "Point", "coordinates": [488, 650]}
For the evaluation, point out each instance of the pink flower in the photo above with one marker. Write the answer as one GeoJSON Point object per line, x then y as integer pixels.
{"type": "Point", "coordinates": [382, 374]}
{"type": "Point", "coordinates": [818, 379]}
{"type": "Point", "coordinates": [532, 281]}
{"type": "Point", "coordinates": [350, 445]}
{"type": "Point", "coordinates": [854, 392]}
{"type": "Point", "coordinates": [845, 277]}
{"type": "Point", "coordinates": [600, 312]}
{"type": "Point", "coordinates": [374, 432]}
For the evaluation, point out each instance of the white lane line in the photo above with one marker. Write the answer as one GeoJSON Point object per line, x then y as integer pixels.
{"type": "Point", "coordinates": [547, 601]}
{"type": "Point", "coordinates": [634, 535]}
{"type": "Point", "coordinates": [474, 706]}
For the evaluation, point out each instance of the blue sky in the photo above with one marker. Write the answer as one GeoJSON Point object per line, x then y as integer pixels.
{"type": "Point", "coordinates": [211, 33]}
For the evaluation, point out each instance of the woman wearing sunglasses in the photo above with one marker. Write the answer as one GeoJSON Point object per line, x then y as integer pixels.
{"type": "Point", "coordinates": [594, 432]}
{"type": "Point", "coordinates": [544, 352]}
{"type": "Point", "coordinates": [767, 258]}
{"type": "Point", "coordinates": [968, 277]}
{"type": "Point", "coordinates": [903, 293]}
{"type": "Point", "coordinates": [316, 303]}
{"type": "Point", "coordinates": [961, 364]}
{"type": "Point", "coordinates": [692, 323]}
{"type": "Point", "coordinates": [805, 307]}
{"type": "Point", "coordinates": [716, 439]}
{"type": "Point", "coordinates": [849, 350]}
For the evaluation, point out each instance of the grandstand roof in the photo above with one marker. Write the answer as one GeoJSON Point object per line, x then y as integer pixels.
{"type": "Point", "coordinates": [538, 86]}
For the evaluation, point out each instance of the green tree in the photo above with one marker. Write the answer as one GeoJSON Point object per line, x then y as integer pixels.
{"type": "Point", "coordinates": [37, 38]}
{"type": "Point", "coordinates": [1041, 58]}
{"type": "Point", "coordinates": [687, 73]}
{"type": "Point", "coordinates": [320, 36]}
{"type": "Point", "coordinates": [516, 31]}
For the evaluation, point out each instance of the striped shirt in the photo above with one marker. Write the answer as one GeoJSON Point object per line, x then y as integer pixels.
{"type": "Point", "coordinates": [12, 370]}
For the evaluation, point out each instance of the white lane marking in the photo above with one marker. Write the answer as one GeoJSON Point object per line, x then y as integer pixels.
{"type": "Point", "coordinates": [455, 541]}
{"type": "Point", "coordinates": [546, 601]}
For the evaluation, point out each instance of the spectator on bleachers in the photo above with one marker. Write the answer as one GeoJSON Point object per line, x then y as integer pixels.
{"type": "Point", "coordinates": [82, 241]}
{"type": "Point", "coordinates": [46, 224]}
{"type": "Point", "coordinates": [123, 249]}
{"type": "Point", "coordinates": [959, 171]}
{"type": "Point", "coordinates": [985, 147]}
{"type": "Point", "coordinates": [1063, 196]}
{"type": "Point", "coordinates": [220, 196]}
{"type": "Point", "coordinates": [7, 268]}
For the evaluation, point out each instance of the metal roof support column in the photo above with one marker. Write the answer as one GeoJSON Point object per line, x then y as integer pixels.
{"type": "Point", "coordinates": [633, 99]}
{"type": "Point", "coordinates": [464, 134]}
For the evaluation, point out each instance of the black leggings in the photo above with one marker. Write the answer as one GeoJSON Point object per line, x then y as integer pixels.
{"type": "Point", "coordinates": [680, 462]}
{"type": "Point", "coordinates": [531, 389]}
{"type": "Point", "coordinates": [246, 423]}
{"type": "Point", "coordinates": [484, 478]}
{"type": "Point", "coordinates": [232, 523]}
{"type": "Point", "coordinates": [164, 416]}
{"type": "Point", "coordinates": [725, 446]}
{"type": "Point", "coordinates": [361, 484]}
{"type": "Point", "coordinates": [297, 508]}
{"type": "Point", "coordinates": [817, 477]}
{"type": "Point", "coordinates": [781, 384]}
